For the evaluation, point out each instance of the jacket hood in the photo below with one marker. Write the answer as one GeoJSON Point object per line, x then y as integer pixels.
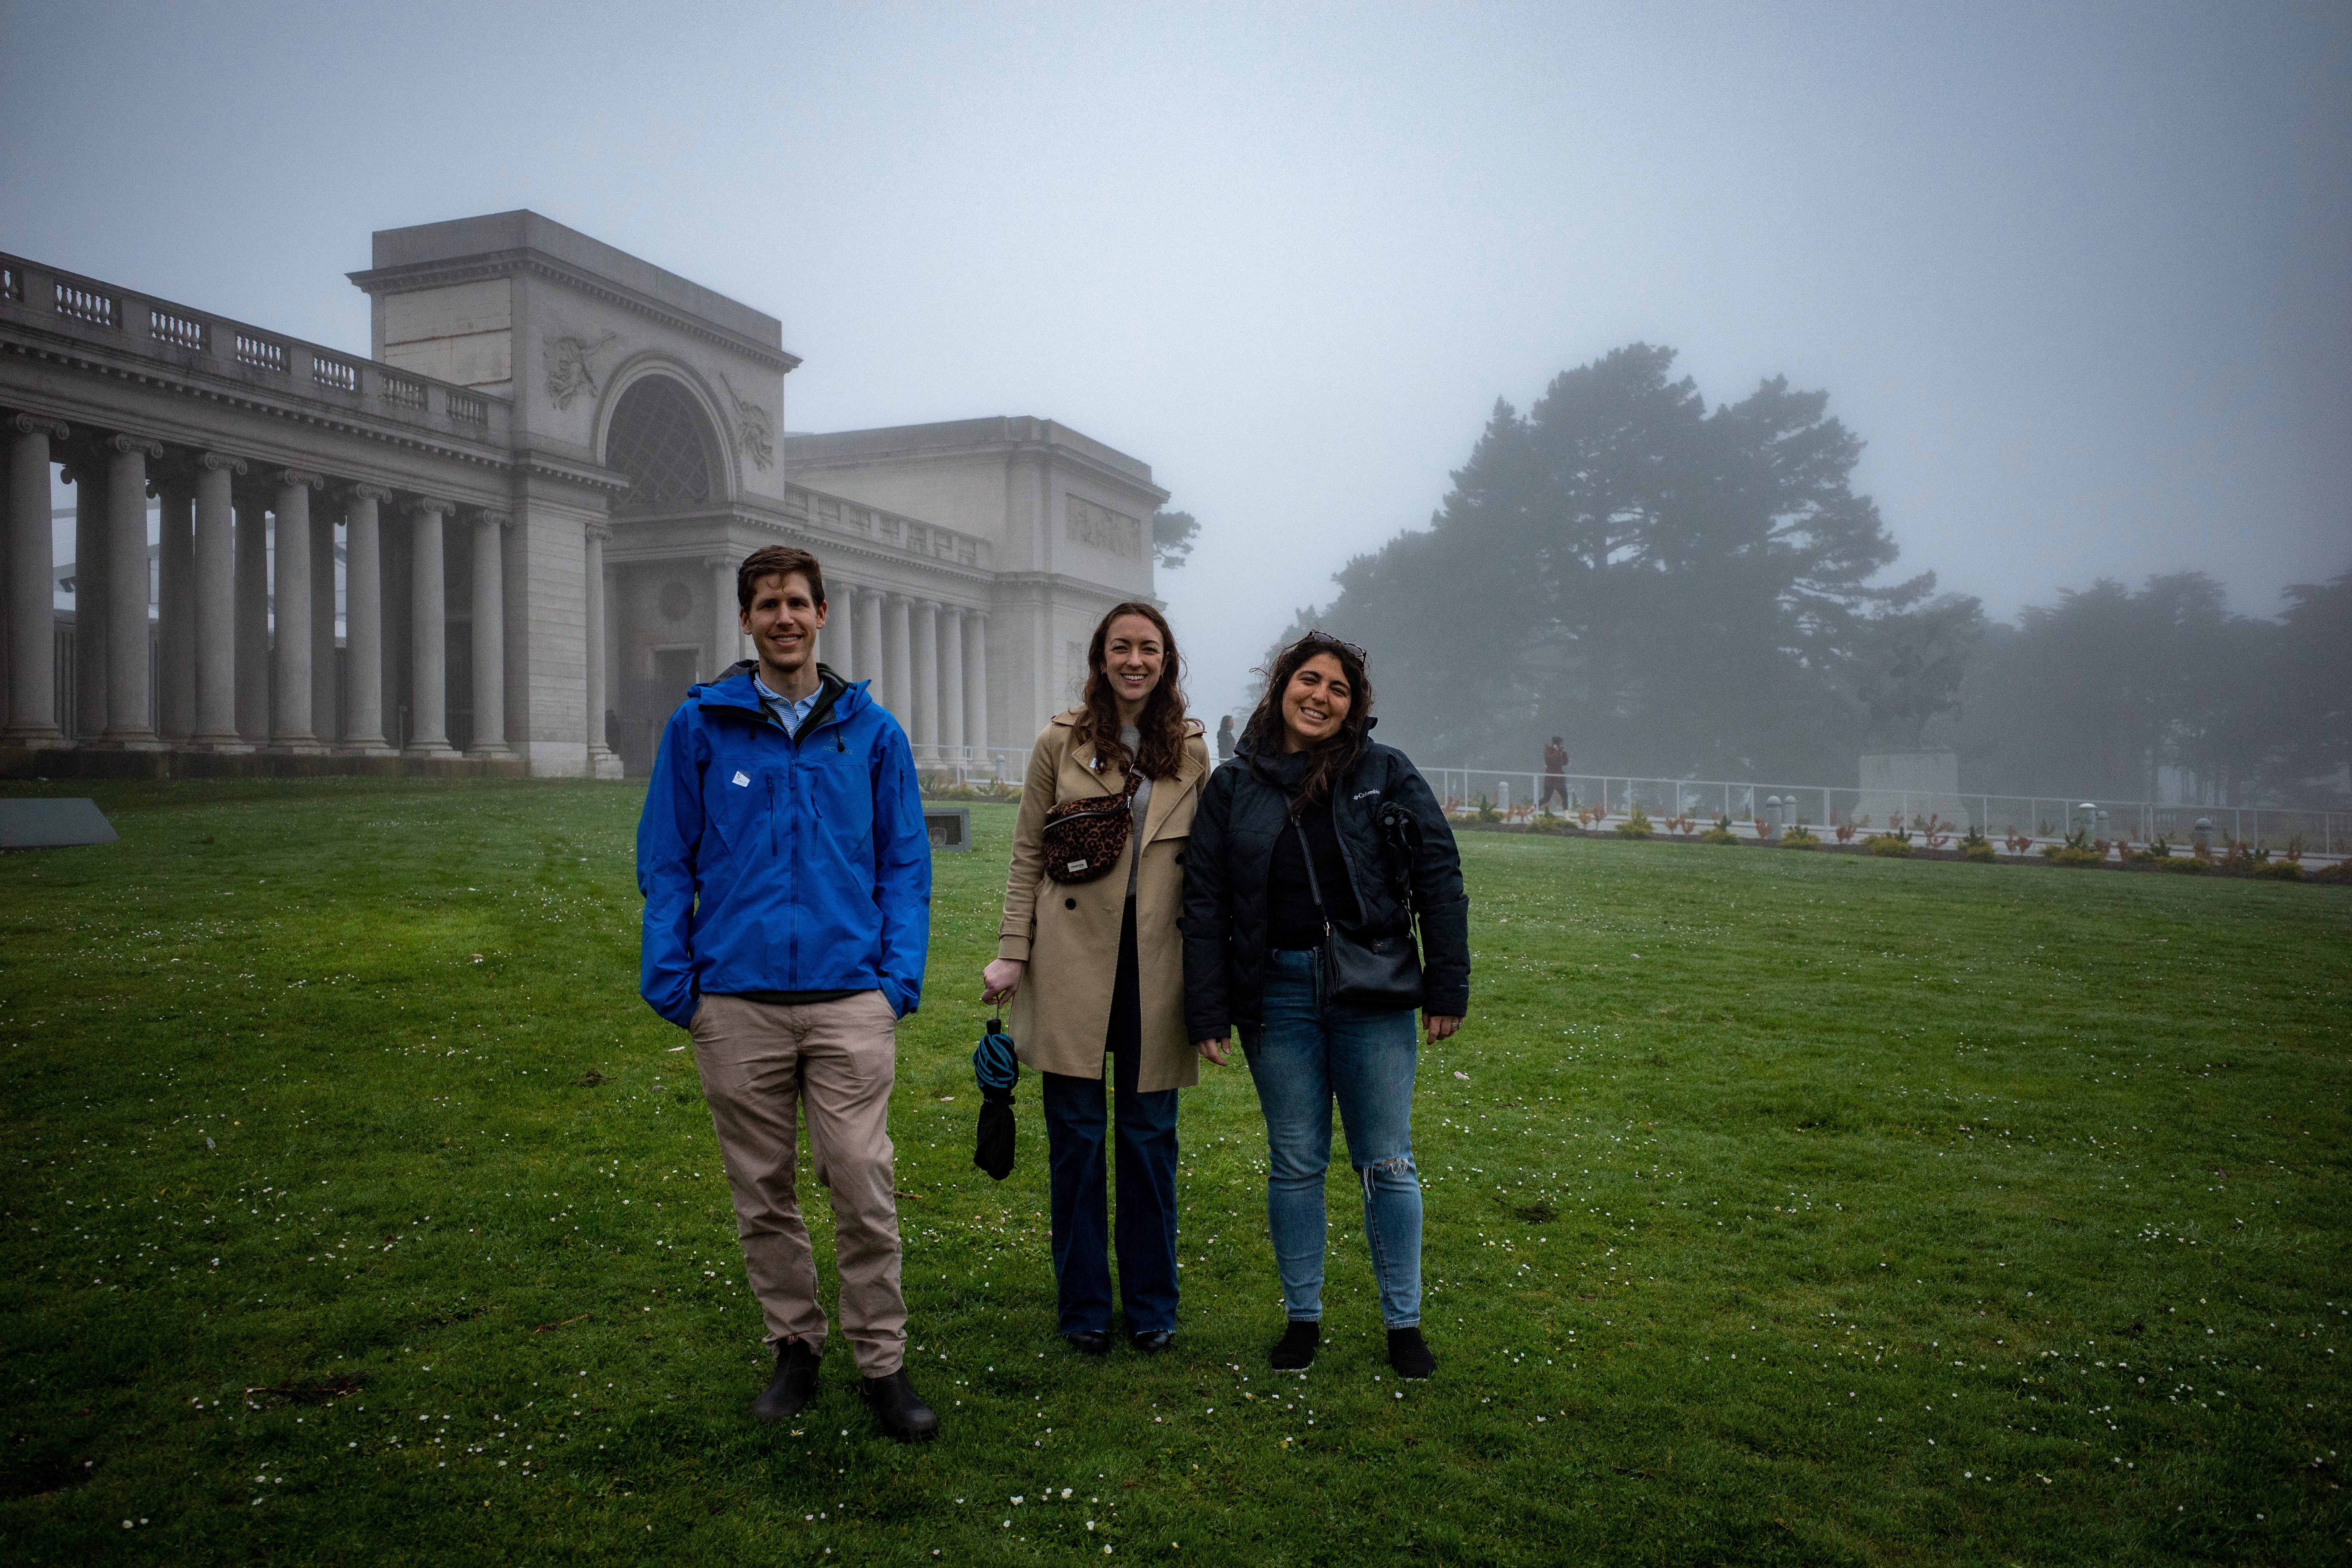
{"type": "Point", "coordinates": [734, 688]}
{"type": "Point", "coordinates": [1274, 763]}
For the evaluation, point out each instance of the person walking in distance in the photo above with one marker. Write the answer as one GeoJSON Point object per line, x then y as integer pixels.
{"type": "Point", "coordinates": [1225, 739]}
{"type": "Point", "coordinates": [1312, 853]}
{"type": "Point", "coordinates": [1094, 970]}
{"type": "Point", "coordinates": [1555, 776]}
{"type": "Point", "coordinates": [787, 879]}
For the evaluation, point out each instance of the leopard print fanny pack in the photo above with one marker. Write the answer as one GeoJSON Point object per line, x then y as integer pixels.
{"type": "Point", "coordinates": [1083, 839]}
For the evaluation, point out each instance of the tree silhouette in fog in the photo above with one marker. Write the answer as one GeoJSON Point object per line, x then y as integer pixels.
{"type": "Point", "coordinates": [2100, 692]}
{"type": "Point", "coordinates": [1679, 591]}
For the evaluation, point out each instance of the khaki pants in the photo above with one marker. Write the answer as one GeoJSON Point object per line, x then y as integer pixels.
{"type": "Point", "coordinates": [759, 1061]}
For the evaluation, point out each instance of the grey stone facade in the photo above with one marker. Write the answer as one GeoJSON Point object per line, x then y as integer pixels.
{"type": "Point", "coordinates": [507, 540]}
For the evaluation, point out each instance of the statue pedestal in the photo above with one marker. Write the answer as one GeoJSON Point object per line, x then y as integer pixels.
{"type": "Point", "coordinates": [1907, 787]}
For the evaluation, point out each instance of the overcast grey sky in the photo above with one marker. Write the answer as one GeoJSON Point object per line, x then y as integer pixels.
{"type": "Point", "coordinates": [2080, 275]}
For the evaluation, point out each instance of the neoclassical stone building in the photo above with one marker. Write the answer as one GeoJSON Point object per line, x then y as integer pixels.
{"type": "Point", "coordinates": [506, 540]}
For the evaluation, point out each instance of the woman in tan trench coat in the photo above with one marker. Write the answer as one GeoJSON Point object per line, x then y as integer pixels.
{"type": "Point", "coordinates": [1095, 970]}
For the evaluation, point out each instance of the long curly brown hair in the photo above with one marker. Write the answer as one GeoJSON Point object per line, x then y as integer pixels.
{"type": "Point", "coordinates": [1329, 761]}
{"type": "Point", "coordinates": [1160, 726]}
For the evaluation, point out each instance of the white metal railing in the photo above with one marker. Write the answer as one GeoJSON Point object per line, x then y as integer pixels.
{"type": "Point", "coordinates": [1519, 795]}
{"type": "Point", "coordinates": [974, 765]}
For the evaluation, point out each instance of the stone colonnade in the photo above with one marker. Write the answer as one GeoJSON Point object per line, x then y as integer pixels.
{"type": "Point", "coordinates": [245, 630]}
{"type": "Point", "coordinates": [927, 661]}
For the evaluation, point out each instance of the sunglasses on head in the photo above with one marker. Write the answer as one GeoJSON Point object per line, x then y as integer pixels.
{"type": "Point", "coordinates": [1319, 635]}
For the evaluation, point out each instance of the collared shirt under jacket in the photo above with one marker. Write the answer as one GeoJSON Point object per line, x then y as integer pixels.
{"type": "Point", "coordinates": [1069, 932]}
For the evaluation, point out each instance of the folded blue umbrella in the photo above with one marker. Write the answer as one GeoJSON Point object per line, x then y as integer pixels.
{"type": "Point", "coordinates": [996, 1068]}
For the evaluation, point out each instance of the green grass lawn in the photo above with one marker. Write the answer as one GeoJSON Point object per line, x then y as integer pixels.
{"type": "Point", "coordinates": [1781, 1208]}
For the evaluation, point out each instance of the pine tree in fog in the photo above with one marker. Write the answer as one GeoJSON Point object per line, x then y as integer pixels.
{"type": "Point", "coordinates": [1679, 591]}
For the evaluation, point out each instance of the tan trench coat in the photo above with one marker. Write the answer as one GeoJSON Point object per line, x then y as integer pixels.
{"type": "Point", "coordinates": [1068, 933]}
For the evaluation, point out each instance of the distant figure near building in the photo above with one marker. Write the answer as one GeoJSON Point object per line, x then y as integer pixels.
{"type": "Point", "coordinates": [1225, 739]}
{"type": "Point", "coordinates": [1555, 775]}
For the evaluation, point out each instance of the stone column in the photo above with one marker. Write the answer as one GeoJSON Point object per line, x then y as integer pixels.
{"type": "Point", "coordinates": [428, 632]}
{"type": "Point", "coordinates": [213, 615]}
{"type": "Point", "coordinates": [599, 751]}
{"type": "Point", "coordinates": [32, 569]}
{"type": "Point", "coordinates": [130, 667]}
{"type": "Point", "coordinates": [363, 618]}
{"type": "Point", "coordinates": [252, 635]}
{"type": "Point", "coordinates": [839, 645]}
{"type": "Point", "coordinates": [869, 638]}
{"type": "Point", "coordinates": [726, 616]}
{"type": "Point", "coordinates": [289, 602]}
{"type": "Point", "coordinates": [951, 680]}
{"type": "Point", "coordinates": [326, 717]}
{"type": "Point", "coordinates": [898, 661]}
{"type": "Point", "coordinates": [87, 477]}
{"type": "Point", "coordinates": [489, 635]}
{"type": "Point", "coordinates": [176, 607]}
{"type": "Point", "coordinates": [925, 614]}
{"type": "Point", "coordinates": [975, 680]}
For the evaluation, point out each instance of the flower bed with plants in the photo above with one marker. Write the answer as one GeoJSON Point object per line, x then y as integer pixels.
{"type": "Point", "coordinates": [1930, 838]}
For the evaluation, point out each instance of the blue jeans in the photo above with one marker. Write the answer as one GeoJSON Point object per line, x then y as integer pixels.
{"type": "Point", "coordinates": [1307, 1054]}
{"type": "Point", "coordinates": [1146, 1128]}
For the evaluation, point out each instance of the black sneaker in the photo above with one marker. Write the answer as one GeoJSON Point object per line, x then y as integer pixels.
{"type": "Point", "coordinates": [1409, 1353]}
{"type": "Point", "coordinates": [1294, 1351]}
{"type": "Point", "coordinates": [794, 1384]}
{"type": "Point", "coordinates": [900, 1409]}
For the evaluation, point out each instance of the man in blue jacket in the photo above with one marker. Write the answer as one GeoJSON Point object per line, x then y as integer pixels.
{"type": "Point", "coordinates": [787, 878]}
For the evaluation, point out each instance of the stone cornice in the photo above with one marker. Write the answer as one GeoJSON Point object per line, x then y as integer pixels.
{"type": "Point", "coordinates": [548, 466]}
{"type": "Point", "coordinates": [508, 263]}
{"type": "Point", "coordinates": [1061, 582]}
{"type": "Point", "coordinates": [155, 374]}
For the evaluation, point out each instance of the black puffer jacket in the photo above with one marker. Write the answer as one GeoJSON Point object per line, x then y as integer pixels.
{"type": "Point", "coordinates": [1234, 834]}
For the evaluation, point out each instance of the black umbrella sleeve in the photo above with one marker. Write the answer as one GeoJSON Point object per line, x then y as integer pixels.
{"type": "Point", "coordinates": [994, 1150]}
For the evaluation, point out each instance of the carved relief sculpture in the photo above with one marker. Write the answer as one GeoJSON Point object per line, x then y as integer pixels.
{"type": "Point", "coordinates": [1100, 528]}
{"type": "Point", "coordinates": [569, 370]}
{"type": "Point", "coordinates": [756, 431]}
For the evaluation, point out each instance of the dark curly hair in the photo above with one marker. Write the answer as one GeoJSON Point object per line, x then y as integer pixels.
{"type": "Point", "coordinates": [1327, 761]}
{"type": "Point", "coordinates": [1160, 726]}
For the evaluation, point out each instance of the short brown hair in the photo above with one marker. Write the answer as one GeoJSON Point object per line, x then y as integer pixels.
{"type": "Point", "coordinates": [777, 560]}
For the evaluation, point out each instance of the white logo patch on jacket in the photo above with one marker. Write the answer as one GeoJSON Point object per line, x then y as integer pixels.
{"type": "Point", "coordinates": [741, 780]}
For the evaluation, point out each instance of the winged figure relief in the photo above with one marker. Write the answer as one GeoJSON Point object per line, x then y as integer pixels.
{"type": "Point", "coordinates": [570, 371]}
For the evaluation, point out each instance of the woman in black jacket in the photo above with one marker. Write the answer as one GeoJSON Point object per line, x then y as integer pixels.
{"type": "Point", "coordinates": [1313, 824]}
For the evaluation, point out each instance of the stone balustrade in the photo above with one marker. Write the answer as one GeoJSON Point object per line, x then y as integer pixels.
{"type": "Point", "coordinates": [822, 513]}
{"type": "Point", "coordinates": [87, 313]}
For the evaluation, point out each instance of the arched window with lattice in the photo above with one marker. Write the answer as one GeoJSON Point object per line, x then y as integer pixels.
{"type": "Point", "coordinates": [660, 438]}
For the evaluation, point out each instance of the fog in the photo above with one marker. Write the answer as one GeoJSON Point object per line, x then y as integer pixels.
{"type": "Point", "coordinates": [2076, 276]}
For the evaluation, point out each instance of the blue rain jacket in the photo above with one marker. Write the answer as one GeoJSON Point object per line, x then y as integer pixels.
{"type": "Point", "coordinates": [770, 862]}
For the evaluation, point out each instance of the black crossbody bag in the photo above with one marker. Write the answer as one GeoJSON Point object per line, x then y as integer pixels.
{"type": "Point", "coordinates": [1382, 974]}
